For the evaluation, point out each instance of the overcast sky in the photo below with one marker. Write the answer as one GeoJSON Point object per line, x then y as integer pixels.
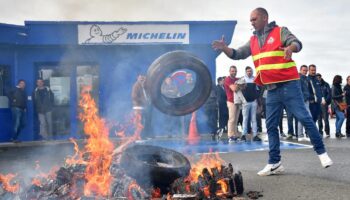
{"type": "Point", "coordinates": [323, 26]}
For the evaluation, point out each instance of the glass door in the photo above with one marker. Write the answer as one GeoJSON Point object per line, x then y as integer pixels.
{"type": "Point", "coordinates": [66, 82]}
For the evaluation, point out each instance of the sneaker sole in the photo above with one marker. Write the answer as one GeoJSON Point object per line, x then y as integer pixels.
{"type": "Point", "coordinates": [278, 171]}
{"type": "Point", "coordinates": [328, 165]}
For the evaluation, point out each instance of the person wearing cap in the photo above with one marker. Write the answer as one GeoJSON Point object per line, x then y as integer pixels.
{"type": "Point", "coordinates": [326, 101]}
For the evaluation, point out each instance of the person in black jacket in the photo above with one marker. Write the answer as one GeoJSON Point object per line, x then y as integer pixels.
{"type": "Point", "coordinates": [43, 103]}
{"type": "Point", "coordinates": [337, 96]}
{"type": "Point", "coordinates": [222, 105]}
{"type": "Point", "coordinates": [18, 102]}
{"type": "Point", "coordinates": [326, 101]}
{"type": "Point", "coordinates": [211, 112]}
{"type": "Point", "coordinates": [347, 98]}
{"type": "Point", "coordinates": [315, 97]}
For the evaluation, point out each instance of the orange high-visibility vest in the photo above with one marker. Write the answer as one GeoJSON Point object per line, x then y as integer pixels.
{"type": "Point", "coordinates": [270, 65]}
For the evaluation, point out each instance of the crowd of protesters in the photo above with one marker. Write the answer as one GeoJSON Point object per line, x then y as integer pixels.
{"type": "Point", "coordinates": [240, 104]}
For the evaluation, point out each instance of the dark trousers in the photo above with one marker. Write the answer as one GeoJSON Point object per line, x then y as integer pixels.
{"type": "Point", "coordinates": [258, 122]}
{"type": "Point", "coordinates": [324, 116]}
{"type": "Point", "coordinates": [18, 121]}
{"type": "Point", "coordinates": [348, 122]}
{"type": "Point", "coordinates": [223, 116]}
{"type": "Point", "coordinates": [212, 119]}
{"type": "Point", "coordinates": [315, 109]}
{"type": "Point", "coordinates": [292, 129]}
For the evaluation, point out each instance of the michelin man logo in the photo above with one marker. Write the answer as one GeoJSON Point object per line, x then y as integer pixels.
{"type": "Point", "coordinates": [97, 36]}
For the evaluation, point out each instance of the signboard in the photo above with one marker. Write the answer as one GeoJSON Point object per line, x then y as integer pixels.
{"type": "Point", "coordinates": [109, 34]}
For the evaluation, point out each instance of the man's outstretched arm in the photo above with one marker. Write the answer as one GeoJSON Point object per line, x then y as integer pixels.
{"type": "Point", "coordinates": [236, 54]}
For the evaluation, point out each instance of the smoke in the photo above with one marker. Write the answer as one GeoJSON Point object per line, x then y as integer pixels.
{"type": "Point", "coordinates": [29, 162]}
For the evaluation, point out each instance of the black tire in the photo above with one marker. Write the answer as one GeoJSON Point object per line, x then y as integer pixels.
{"type": "Point", "coordinates": [154, 166]}
{"type": "Point", "coordinates": [169, 63]}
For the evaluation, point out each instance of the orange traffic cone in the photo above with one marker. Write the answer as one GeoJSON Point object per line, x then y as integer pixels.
{"type": "Point", "coordinates": [193, 136]}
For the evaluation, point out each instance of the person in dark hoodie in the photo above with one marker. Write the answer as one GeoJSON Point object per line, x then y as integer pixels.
{"type": "Point", "coordinates": [347, 98]}
{"type": "Point", "coordinates": [43, 99]}
{"type": "Point", "coordinates": [18, 102]}
{"type": "Point", "coordinates": [326, 101]}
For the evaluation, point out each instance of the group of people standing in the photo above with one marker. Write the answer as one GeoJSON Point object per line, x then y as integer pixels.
{"type": "Point", "coordinates": [320, 99]}
{"type": "Point", "coordinates": [323, 100]}
{"type": "Point", "coordinates": [43, 99]}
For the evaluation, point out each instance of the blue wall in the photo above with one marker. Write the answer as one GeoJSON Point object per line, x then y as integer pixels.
{"type": "Point", "coordinates": [52, 43]}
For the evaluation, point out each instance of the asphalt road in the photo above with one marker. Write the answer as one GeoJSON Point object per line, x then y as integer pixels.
{"type": "Point", "coordinates": [304, 177]}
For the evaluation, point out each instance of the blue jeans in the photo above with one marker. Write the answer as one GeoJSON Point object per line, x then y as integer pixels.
{"type": "Point", "coordinates": [340, 117]}
{"type": "Point", "coordinates": [18, 121]}
{"type": "Point", "coordinates": [288, 94]}
{"type": "Point", "coordinates": [249, 112]}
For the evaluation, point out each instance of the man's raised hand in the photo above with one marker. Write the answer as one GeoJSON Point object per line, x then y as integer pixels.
{"type": "Point", "coordinates": [219, 45]}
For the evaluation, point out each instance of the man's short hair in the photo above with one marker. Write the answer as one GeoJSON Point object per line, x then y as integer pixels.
{"type": "Point", "coordinates": [21, 80]}
{"type": "Point", "coordinates": [234, 67]}
{"type": "Point", "coordinates": [312, 65]}
{"type": "Point", "coordinates": [248, 67]}
{"type": "Point", "coordinates": [302, 67]}
{"type": "Point", "coordinates": [262, 11]}
{"type": "Point", "coordinates": [318, 74]}
{"type": "Point", "coordinates": [219, 79]}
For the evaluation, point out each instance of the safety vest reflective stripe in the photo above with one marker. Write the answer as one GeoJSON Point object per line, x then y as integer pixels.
{"type": "Point", "coordinates": [276, 66]}
{"type": "Point", "coordinates": [268, 54]}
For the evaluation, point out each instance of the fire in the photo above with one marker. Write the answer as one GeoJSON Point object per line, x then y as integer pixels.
{"type": "Point", "coordinates": [6, 183]}
{"type": "Point", "coordinates": [98, 147]}
{"type": "Point", "coordinates": [207, 161]}
{"type": "Point", "coordinates": [207, 164]}
{"type": "Point", "coordinates": [223, 184]}
{"type": "Point", "coordinates": [134, 190]}
{"type": "Point", "coordinates": [156, 193]}
{"type": "Point", "coordinates": [77, 158]}
{"type": "Point", "coordinates": [37, 180]}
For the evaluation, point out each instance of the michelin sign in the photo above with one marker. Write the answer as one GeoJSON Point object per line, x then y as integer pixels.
{"type": "Point", "coordinates": [109, 34]}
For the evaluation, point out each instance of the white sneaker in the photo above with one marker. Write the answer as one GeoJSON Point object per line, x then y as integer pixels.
{"type": "Point", "coordinates": [271, 169]}
{"type": "Point", "coordinates": [325, 160]}
{"type": "Point", "coordinates": [303, 139]}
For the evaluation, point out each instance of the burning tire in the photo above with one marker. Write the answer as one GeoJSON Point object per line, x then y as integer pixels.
{"type": "Point", "coordinates": [154, 166]}
{"type": "Point", "coordinates": [169, 63]}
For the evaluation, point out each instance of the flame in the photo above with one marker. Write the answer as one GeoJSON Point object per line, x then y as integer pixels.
{"type": "Point", "coordinates": [98, 147]}
{"type": "Point", "coordinates": [208, 161]}
{"type": "Point", "coordinates": [156, 193]}
{"type": "Point", "coordinates": [37, 182]}
{"type": "Point", "coordinates": [132, 188]}
{"type": "Point", "coordinates": [137, 117]}
{"type": "Point", "coordinates": [77, 158]}
{"type": "Point", "coordinates": [224, 186]}
{"type": "Point", "coordinates": [6, 182]}
{"type": "Point", "coordinates": [41, 175]}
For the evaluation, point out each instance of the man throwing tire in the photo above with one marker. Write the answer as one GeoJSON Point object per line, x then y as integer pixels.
{"type": "Point", "coordinates": [271, 48]}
